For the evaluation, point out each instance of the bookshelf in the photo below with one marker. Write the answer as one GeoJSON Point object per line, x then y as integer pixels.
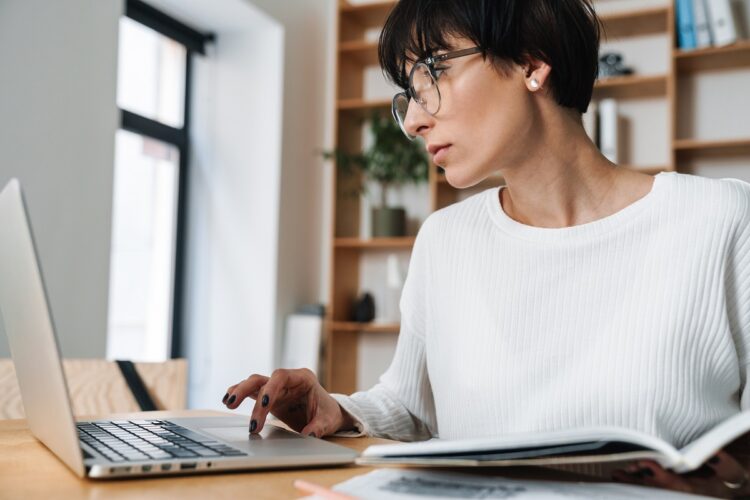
{"type": "Point", "coordinates": [355, 53]}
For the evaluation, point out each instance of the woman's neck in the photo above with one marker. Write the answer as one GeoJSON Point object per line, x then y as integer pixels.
{"type": "Point", "coordinates": [565, 180]}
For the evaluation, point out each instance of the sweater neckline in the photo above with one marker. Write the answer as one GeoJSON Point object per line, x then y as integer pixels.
{"type": "Point", "coordinates": [577, 232]}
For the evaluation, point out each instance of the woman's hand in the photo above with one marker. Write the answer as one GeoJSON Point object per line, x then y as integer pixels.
{"type": "Point", "coordinates": [295, 397]}
{"type": "Point", "coordinates": [722, 476]}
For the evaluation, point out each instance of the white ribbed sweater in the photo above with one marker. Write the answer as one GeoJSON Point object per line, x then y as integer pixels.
{"type": "Point", "coordinates": [640, 319]}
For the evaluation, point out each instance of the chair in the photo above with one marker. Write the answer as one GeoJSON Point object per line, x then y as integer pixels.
{"type": "Point", "coordinates": [97, 387]}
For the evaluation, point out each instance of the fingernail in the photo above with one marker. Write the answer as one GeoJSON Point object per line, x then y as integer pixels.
{"type": "Point", "coordinates": [224, 399]}
{"type": "Point", "coordinates": [312, 434]}
{"type": "Point", "coordinates": [264, 401]}
{"type": "Point", "coordinates": [714, 460]}
{"type": "Point", "coordinates": [646, 472]}
{"type": "Point", "coordinates": [232, 399]}
{"type": "Point", "coordinates": [253, 425]}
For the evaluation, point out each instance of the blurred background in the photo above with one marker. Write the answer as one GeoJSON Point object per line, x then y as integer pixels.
{"type": "Point", "coordinates": [173, 157]}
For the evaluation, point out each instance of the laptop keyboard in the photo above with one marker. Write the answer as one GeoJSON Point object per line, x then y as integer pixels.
{"type": "Point", "coordinates": [135, 440]}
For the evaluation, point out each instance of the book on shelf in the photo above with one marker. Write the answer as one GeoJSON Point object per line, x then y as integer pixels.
{"type": "Point", "coordinates": [591, 122]}
{"type": "Point", "coordinates": [574, 446]}
{"type": "Point", "coordinates": [701, 26]}
{"type": "Point", "coordinates": [685, 24]}
{"type": "Point", "coordinates": [721, 15]}
{"type": "Point", "coordinates": [608, 129]}
{"type": "Point", "coordinates": [705, 23]}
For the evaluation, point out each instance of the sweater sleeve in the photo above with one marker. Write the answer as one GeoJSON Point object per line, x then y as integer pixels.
{"type": "Point", "coordinates": [738, 288]}
{"type": "Point", "coordinates": [400, 406]}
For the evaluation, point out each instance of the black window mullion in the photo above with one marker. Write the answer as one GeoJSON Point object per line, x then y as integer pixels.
{"type": "Point", "coordinates": [134, 122]}
{"type": "Point", "coordinates": [181, 237]}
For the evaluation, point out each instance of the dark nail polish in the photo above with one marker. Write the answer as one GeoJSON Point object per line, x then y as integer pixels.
{"type": "Point", "coordinates": [224, 399]}
{"type": "Point", "coordinates": [264, 401]}
{"type": "Point", "coordinates": [232, 399]}
{"type": "Point", "coordinates": [253, 425]}
{"type": "Point", "coordinates": [312, 434]}
{"type": "Point", "coordinates": [714, 460]}
{"type": "Point", "coordinates": [646, 472]}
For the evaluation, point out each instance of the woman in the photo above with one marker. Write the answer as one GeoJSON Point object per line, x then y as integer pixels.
{"type": "Point", "coordinates": [578, 294]}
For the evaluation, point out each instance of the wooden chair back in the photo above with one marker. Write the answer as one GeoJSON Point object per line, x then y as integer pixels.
{"type": "Point", "coordinates": [97, 387]}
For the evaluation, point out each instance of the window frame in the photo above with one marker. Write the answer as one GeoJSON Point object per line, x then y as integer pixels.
{"type": "Point", "coordinates": [194, 42]}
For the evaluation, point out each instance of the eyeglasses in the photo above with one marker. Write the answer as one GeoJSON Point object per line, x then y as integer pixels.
{"type": "Point", "coordinates": [423, 87]}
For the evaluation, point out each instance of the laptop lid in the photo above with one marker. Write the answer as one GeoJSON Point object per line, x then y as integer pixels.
{"type": "Point", "coordinates": [31, 335]}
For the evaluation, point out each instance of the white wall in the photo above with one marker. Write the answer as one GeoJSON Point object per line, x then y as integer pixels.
{"type": "Point", "coordinates": [309, 87]}
{"type": "Point", "coordinates": [58, 117]}
{"type": "Point", "coordinates": [233, 198]}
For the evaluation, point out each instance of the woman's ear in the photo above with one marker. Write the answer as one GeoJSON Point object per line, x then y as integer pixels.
{"type": "Point", "coordinates": [536, 73]}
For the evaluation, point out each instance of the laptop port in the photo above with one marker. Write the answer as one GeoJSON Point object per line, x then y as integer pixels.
{"type": "Point", "coordinates": [166, 467]}
{"type": "Point", "coordinates": [188, 465]}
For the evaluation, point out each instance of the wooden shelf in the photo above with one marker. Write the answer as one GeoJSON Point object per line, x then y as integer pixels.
{"type": "Point", "coordinates": [368, 15]}
{"type": "Point", "coordinates": [362, 52]}
{"type": "Point", "coordinates": [647, 21]}
{"type": "Point", "coordinates": [351, 326]}
{"type": "Point", "coordinates": [362, 107]}
{"type": "Point", "coordinates": [723, 147]}
{"type": "Point", "coordinates": [406, 242]}
{"type": "Point", "coordinates": [713, 58]}
{"type": "Point", "coordinates": [631, 86]}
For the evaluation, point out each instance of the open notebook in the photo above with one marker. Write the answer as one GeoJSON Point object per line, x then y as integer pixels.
{"type": "Point", "coordinates": [575, 446]}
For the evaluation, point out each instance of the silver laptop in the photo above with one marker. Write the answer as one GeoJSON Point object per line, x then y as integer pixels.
{"type": "Point", "coordinates": [118, 448]}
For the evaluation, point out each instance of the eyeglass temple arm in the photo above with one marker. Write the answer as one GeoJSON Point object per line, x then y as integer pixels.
{"type": "Point", "coordinates": [458, 53]}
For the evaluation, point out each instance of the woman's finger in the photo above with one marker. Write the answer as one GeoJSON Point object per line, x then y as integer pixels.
{"type": "Point", "coordinates": [247, 388]}
{"type": "Point", "coordinates": [729, 471]}
{"type": "Point", "coordinates": [275, 392]}
{"type": "Point", "coordinates": [655, 475]}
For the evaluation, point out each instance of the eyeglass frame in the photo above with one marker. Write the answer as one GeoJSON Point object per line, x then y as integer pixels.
{"type": "Point", "coordinates": [430, 63]}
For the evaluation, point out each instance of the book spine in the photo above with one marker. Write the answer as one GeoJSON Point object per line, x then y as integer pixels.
{"type": "Point", "coordinates": [700, 21]}
{"type": "Point", "coordinates": [723, 26]}
{"type": "Point", "coordinates": [608, 133]}
{"type": "Point", "coordinates": [685, 26]}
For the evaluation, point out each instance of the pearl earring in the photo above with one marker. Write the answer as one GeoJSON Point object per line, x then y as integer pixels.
{"type": "Point", "coordinates": [534, 83]}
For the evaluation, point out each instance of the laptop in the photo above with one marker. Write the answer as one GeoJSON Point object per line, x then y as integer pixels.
{"type": "Point", "coordinates": [119, 448]}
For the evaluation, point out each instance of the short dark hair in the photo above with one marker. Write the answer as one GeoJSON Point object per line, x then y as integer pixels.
{"type": "Point", "coordinates": [563, 33]}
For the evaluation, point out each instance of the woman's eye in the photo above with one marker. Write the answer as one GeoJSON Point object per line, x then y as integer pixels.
{"type": "Point", "coordinates": [439, 71]}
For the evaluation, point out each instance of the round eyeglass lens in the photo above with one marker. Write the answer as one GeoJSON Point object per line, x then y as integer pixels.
{"type": "Point", "coordinates": [399, 109]}
{"type": "Point", "coordinates": [425, 88]}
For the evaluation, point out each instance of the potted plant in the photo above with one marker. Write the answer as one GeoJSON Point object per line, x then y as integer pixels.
{"type": "Point", "coordinates": [391, 160]}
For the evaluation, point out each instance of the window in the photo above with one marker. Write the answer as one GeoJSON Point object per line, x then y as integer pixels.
{"type": "Point", "coordinates": [150, 183]}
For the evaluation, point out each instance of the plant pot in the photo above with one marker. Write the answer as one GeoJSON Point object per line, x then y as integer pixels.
{"type": "Point", "coordinates": [388, 222]}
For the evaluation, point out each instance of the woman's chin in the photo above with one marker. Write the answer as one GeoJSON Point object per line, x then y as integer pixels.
{"type": "Point", "coordinates": [459, 181]}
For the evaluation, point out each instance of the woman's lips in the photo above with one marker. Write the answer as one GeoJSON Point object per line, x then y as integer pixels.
{"type": "Point", "coordinates": [440, 154]}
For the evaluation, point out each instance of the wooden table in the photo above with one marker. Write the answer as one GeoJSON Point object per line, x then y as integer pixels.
{"type": "Point", "coordinates": [29, 470]}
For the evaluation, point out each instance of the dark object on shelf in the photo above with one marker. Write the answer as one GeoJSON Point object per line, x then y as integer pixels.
{"type": "Point", "coordinates": [388, 222]}
{"type": "Point", "coordinates": [610, 64]}
{"type": "Point", "coordinates": [364, 309]}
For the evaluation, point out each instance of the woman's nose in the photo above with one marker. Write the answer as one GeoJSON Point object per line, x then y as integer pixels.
{"type": "Point", "coordinates": [417, 120]}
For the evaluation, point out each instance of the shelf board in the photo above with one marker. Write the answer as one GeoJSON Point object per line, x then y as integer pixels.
{"type": "Point", "coordinates": [646, 21]}
{"type": "Point", "coordinates": [631, 86]}
{"type": "Point", "coordinates": [405, 242]}
{"type": "Point", "coordinates": [351, 326]}
{"type": "Point", "coordinates": [362, 52]}
{"type": "Point", "coordinates": [736, 55]}
{"type": "Point", "coordinates": [369, 15]}
{"type": "Point", "coordinates": [363, 107]}
{"type": "Point", "coordinates": [723, 147]}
